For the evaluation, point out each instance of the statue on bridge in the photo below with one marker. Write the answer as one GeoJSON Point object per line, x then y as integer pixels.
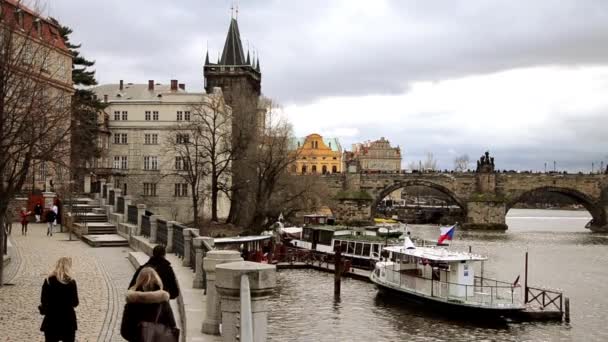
{"type": "Point", "coordinates": [485, 163]}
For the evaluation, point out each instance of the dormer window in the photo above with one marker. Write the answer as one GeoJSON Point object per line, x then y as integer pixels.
{"type": "Point", "coordinates": [19, 17]}
{"type": "Point", "coordinates": [38, 25]}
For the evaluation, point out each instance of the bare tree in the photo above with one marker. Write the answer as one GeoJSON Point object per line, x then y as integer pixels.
{"type": "Point", "coordinates": [35, 90]}
{"type": "Point", "coordinates": [461, 163]}
{"type": "Point", "coordinates": [430, 163]}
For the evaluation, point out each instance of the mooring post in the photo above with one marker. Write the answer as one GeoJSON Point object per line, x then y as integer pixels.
{"type": "Point", "coordinates": [567, 312]}
{"type": "Point", "coordinates": [526, 281]}
{"type": "Point", "coordinates": [337, 272]}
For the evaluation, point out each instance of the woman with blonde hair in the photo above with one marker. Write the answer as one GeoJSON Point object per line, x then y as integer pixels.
{"type": "Point", "coordinates": [147, 310]}
{"type": "Point", "coordinates": [58, 300]}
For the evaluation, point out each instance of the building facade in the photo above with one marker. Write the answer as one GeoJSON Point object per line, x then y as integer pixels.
{"type": "Point", "coordinates": [316, 155]}
{"type": "Point", "coordinates": [146, 121]}
{"type": "Point", "coordinates": [375, 156]}
{"type": "Point", "coordinates": [40, 74]}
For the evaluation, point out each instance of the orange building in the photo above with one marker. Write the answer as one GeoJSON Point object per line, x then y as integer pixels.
{"type": "Point", "coordinates": [317, 155]}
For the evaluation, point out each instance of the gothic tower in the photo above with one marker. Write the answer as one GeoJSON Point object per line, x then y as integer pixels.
{"type": "Point", "coordinates": [240, 80]}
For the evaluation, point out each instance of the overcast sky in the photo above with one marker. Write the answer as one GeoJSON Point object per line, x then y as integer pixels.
{"type": "Point", "coordinates": [527, 80]}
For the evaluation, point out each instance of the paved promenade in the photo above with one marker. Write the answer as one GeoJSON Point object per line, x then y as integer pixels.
{"type": "Point", "coordinates": [102, 275]}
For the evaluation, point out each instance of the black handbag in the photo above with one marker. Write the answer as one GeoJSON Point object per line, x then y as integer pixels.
{"type": "Point", "coordinates": [157, 332]}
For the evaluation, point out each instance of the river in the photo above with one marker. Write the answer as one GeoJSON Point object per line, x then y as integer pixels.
{"type": "Point", "coordinates": [562, 254]}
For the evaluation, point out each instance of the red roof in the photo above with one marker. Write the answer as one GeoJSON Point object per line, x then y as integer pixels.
{"type": "Point", "coordinates": [49, 32]}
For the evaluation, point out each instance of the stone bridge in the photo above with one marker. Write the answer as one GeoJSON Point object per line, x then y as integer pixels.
{"type": "Point", "coordinates": [485, 196]}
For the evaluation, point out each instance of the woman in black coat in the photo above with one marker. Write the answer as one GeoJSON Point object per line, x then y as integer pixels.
{"type": "Point", "coordinates": [146, 302]}
{"type": "Point", "coordinates": [58, 300]}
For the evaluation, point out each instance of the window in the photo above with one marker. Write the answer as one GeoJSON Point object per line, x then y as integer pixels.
{"type": "Point", "coordinates": [123, 162]}
{"type": "Point", "coordinates": [155, 115]}
{"type": "Point", "coordinates": [123, 138]}
{"type": "Point", "coordinates": [116, 183]}
{"type": "Point", "coordinates": [180, 163]}
{"type": "Point", "coordinates": [116, 115]}
{"type": "Point", "coordinates": [117, 138]}
{"type": "Point", "coordinates": [181, 190]}
{"type": "Point", "coordinates": [324, 169]}
{"type": "Point", "coordinates": [182, 138]}
{"type": "Point", "coordinates": [151, 139]}
{"type": "Point", "coordinates": [334, 169]}
{"type": "Point", "coordinates": [149, 189]}
{"type": "Point", "coordinates": [314, 169]}
{"type": "Point", "coordinates": [180, 117]}
{"type": "Point", "coordinates": [303, 169]}
{"type": "Point", "coordinates": [150, 163]}
{"type": "Point", "coordinates": [125, 115]}
{"type": "Point", "coordinates": [187, 116]}
{"type": "Point", "coordinates": [148, 115]}
{"type": "Point", "coordinates": [42, 171]}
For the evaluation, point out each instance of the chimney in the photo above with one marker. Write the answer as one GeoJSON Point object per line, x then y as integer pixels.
{"type": "Point", "coordinates": [173, 85]}
{"type": "Point", "coordinates": [120, 86]}
{"type": "Point", "coordinates": [182, 86]}
{"type": "Point", "coordinates": [150, 85]}
{"type": "Point", "coordinates": [105, 98]}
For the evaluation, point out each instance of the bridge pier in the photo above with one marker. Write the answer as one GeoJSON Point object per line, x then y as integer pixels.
{"type": "Point", "coordinates": [486, 215]}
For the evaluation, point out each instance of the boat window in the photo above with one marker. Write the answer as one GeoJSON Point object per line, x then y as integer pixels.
{"type": "Point", "coordinates": [325, 237]}
{"type": "Point", "coordinates": [351, 248]}
{"type": "Point", "coordinates": [359, 248]}
{"type": "Point", "coordinates": [375, 248]}
{"type": "Point", "coordinates": [307, 234]}
{"type": "Point", "coordinates": [366, 249]}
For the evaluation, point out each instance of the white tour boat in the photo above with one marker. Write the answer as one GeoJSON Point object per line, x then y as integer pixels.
{"type": "Point", "coordinates": [446, 277]}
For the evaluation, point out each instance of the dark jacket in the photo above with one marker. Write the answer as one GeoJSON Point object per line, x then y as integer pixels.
{"type": "Point", "coordinates": [58, 301]}
{"type": "Point", "coordinates": [163, 267]}
{"type": "Point", "coordinates": [50, 216]}
{"type": "Point", "coordinates": [38, 209]}
{"type": "Point", "coordinates": [145, 307]}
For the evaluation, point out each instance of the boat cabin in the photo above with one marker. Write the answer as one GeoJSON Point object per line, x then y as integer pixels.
{"type": "Point", "coordinates": [251, 248]}
{"type": "Point", "coordinates": [315, 219]}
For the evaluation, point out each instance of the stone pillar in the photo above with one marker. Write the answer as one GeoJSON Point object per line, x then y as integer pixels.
{"type": "Point", "coordinates": [141, 210]}
{"type": "Point", "coordinates": [87, 184]}
{"type": "Point", "coordinates": [262, 281]}
{"type": "Point", "coordinates": [187, 241]}
{"type": "Point", "coordinates": [486, 215]}
{"type": "Point", "coordinates": [170, 236]}
{"type": "Point", "coordinates": [117, 193]}
{"type": "Point", "coordinates": [199, 277]}
{"type": "Point", "coordinates": [211, 325]}
{"type": "Point", "coordinates": [102, 182]}
{"type": "Point", "coordinates": [109, 208]}
{"type": "Point", "coordinates": [127, 199]}
{"type": "Point", "coordinates": [153, 228]}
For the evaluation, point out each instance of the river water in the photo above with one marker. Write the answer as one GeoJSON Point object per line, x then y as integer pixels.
{"type": "Point", "coordinates": [562, 255]}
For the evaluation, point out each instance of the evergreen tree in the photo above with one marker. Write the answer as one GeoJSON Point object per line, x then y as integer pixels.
{"type": "Point", "coordinates": [85, 109]}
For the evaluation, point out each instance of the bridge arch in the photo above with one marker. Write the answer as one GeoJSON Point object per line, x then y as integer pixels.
{"type": "Point", "coordinates": [593, 207]}
{"type": "Point", "coordinates": [416, 182]}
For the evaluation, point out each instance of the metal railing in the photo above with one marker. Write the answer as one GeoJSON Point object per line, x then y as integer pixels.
{"type": "Point", "coordinates": [145, 226]}
{"type": "Point", "coordinates": [161, 232]}
{"type": "Point", "coordinates": [120, 204]}
{"type": "Point", "coordinates": [132, 214]}
{"type": "Point", "coordinates": [111, 198]}
{"type": "Point", "coordinates": [544, 299]}
{"type": "Point", "coordinates": [178, 240]}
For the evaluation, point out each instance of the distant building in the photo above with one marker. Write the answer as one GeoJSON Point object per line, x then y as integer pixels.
{"type": "Point", "coordinates": [143, 119]}
{"type": "Point", "coordinates": [317, 155]}
{"type": "Point", "coordinates": [375, 156]}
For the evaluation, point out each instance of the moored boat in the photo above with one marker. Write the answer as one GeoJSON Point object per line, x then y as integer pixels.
{"type": "Point", "coordinates": [446, 278]}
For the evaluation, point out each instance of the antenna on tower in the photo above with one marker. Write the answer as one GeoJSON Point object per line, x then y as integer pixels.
{"type": "Point", "coordinates": [232, 10]}
{"type": "Point", "coordinates": [237, 9]}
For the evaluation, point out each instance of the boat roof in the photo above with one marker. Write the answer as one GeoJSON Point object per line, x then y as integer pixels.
{"type": "Point", "coordinates": [435, 253]}
{"type": "Point", "coordinates": [241, 239]}
{"type": "Point", "coordinates": [327, 227]}
{"type": "Point", "coordinates": [367, 238]}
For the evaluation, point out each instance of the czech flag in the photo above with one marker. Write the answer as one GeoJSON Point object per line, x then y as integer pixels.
{"type": "Point", "coordinates": [447, 233]}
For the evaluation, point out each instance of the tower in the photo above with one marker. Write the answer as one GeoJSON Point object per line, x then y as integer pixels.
{"type": "Point", "coordinates": [240, 80]}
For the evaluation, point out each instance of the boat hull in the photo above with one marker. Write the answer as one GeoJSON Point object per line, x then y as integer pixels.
{"type": "Point", "coordinates": [446, 307]}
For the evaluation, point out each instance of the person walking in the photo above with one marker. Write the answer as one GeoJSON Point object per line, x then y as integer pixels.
{"type": "Point", "coordinates": [148, 307]}
{"type": "Point", "coordinates": [57, 302]}
{"type": "Point", "coordinates": [24, 221]}
{"type": "Point", "coordinates": [163, 267]}
{"type": "Point", "coordinates": [38, 211]}
{"type": "Point", "coordinates": [50, 219]}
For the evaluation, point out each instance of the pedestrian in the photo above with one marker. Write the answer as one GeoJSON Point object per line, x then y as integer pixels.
{"type": "Point", "coordinates": [8, 226]}
{"type": "Point", "coordinates": [56, 210]}
{"type": "Point", "coordinates": [50, 220]}
{"type": "Point", "coordinates": [147, 310]}
{"type": "Point", "coordinates": [58, 300]}
{"type": "Point", "coordinates": [24, 221]}
{"type": "Point", "coordinates": [163, 267]}
{"type": "Point", "coordinates": [38, 211]}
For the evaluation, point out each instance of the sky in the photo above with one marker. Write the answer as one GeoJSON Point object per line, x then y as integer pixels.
{"type": "Point", "coordinates": [526, 80]}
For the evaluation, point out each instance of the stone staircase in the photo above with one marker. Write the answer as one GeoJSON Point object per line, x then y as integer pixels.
{"type": "Point", "coordinates": [92, 224]}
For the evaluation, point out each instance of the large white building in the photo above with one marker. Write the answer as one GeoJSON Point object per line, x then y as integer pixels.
{"type": "Point", "coordinates": [144, 122]}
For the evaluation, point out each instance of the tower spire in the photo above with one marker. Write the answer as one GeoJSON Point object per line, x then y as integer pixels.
{"type": "Point", "coordinates": [207, 57]}
{"type": "Point", "coordinates": [248, 61]}
{"type": "Point", "coordinates": [233, 48]}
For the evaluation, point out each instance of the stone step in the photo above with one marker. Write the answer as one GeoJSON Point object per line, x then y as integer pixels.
{"type": "Point", "coordinates": [91, 217]}
{"type": "Point", "coordinates": [99, 211]}
{"type": "Point", "coordinates": [98, 227]}
{"type": "Point", "coordinates": [105, 240]}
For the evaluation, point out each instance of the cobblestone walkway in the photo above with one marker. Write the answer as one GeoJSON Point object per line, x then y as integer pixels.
{"type": "Point", "coordinates": [102, 275]}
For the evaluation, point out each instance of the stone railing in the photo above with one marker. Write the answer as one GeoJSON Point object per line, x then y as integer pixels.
{"type": "Point", "coordinates": [145, 225]}
{"type": "Point", "coordinates": [162, 234]}
{"type": "Point", "coordinates": [178, 239]}
{"type": "Point", "coordinates": [120, 205]}
{"type": "Point", "coordinates": [132, 213]}
{"type": "Point", "coordinates": [111, 197]}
